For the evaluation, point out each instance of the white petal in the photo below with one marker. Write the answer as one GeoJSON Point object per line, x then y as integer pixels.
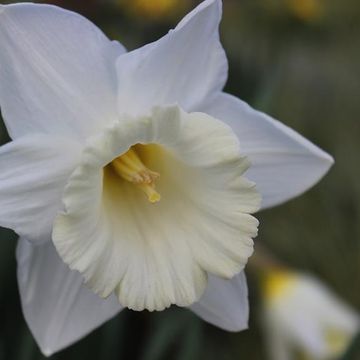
{"type": "Point", "coordinates": [333, 311]}
{"type": "Point", "coordinates": [309, 335]}
{"type": "Point", "coordinates": [293, 319]}
{"type": "Point", "coordinates": [155, 255]}
{"type": "Point", "coordinates": [57, 72]}
{"type": "Point", "coordinates": [284, 164]}
{"type": "Point", "coordinates": [57, 307]}
{"type": "Point", "coordinates": [185, 66]}
{"type": "Point", "coordinates": [225, 303]}
{"type": "Point", "coordinates": [34, 171]}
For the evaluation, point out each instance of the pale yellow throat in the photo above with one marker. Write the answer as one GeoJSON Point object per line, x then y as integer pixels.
{"type": "Point", "coordinates": [130, 167]}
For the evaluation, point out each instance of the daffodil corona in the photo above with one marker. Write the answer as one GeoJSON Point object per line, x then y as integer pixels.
{"type": "Point", "coordinates": [153, 253]}
{"type": "Point", "coordinates": [126, 171]}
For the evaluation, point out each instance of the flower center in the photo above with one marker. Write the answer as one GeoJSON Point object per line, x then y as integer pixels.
{"type": "Point", "coordinates": [130, 167]}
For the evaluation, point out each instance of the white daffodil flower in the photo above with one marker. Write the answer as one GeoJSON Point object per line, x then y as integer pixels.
{"type": "Point", "coordinates": [304, 320]}
{"type": "Point", "coordinates": [127, 168]}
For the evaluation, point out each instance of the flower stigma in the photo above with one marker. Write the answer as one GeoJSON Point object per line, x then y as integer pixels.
{"type": "Point", "coordinates": [130, 167]}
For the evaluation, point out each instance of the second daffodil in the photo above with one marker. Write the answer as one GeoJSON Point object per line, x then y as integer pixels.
{"type": "Point", "coordinates": [303, 317]}
{"type": "Point", "coordinates": [126, 171]}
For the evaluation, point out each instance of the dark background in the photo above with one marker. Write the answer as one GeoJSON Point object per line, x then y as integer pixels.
{"type": "Point", "coordinates": [297, 60]}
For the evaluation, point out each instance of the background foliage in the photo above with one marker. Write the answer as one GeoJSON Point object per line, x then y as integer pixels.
{"type": "Point", "coordinates": [297, 60]}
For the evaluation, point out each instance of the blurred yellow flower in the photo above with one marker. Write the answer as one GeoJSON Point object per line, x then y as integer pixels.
{"type": "Point", "coordinates": [305, 9]}
{"type": "Point", "coordinates": [154, 9]}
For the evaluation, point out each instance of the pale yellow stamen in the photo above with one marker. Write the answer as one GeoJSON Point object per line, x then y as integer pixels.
{"type": "Point", "coordinates": [130, 167]}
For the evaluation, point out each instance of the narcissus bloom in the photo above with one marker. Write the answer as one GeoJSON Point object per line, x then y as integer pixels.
{"type": "Point", "coordinates": [126, 171]}
{"type": "Point", "coordinates": [302, 316]}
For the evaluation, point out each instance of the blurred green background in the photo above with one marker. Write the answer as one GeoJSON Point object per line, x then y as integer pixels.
{"type": "Point", "coordinates": [298, 60]}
